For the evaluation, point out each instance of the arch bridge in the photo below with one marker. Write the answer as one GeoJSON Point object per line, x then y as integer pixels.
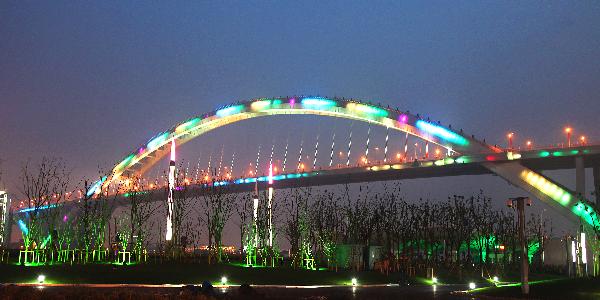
{"type": "Point", "coordinates": [468, 155]}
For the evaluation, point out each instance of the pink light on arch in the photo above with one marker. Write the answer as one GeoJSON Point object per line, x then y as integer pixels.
{"type": "Point", "coordinates": [292, 102]}
{"type": "Point", "coordinates": [403, 118]}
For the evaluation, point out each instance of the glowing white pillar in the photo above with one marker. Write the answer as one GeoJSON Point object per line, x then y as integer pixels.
{"type": "Point", "coordinates": [270, 205]}
{"type": "Point", "coordinates": [255, 215]}
{"type": "Point", "coordinates": [169, 234]}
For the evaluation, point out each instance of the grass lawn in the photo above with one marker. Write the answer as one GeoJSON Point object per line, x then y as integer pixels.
{"type": "Point", "coordinates": [179, 273]}
{"type": "Point", "coordinates": [565, 288]}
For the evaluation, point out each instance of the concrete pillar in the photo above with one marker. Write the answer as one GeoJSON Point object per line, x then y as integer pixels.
{"type": "Point", "coordinates": [579, 176]}
{"type": "Point", "coordinates": [596, 172]}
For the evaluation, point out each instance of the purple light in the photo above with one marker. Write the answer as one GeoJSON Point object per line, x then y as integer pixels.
{"type": "Point", "coordinates": [292, 102]}
{"type": "Point", "coordinates": [65, 218]}
{"type": "Point", "coordinates": [179, 188]}
{"type": "Point", "coordinates": [402, 118]}
{"type": "Point", "coordinates": [141, 150]}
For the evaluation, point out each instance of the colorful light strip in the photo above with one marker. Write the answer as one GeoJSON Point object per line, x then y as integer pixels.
{"type": "Point", "coordinates": [38, 208]}
{"type": "Point", "coordinates": [228, 111]}
{"type": "Point", "coordinates": [318, 103]}
{"type": "Point", "coordinates": [96, 187]}
{"type": "Point", "coordinates": [587, 213]}
{"type": "Point", "coordinates": [546, 187]}
{"type": "Point", "coordinates": [265, 104]}
{"type": "Point", "coordinates": [187, 125]}
{"type": "Point", "coordinates": [354, 110]}
{"type": "Point", "coordinates": [442, 133]}
{"type": "Point", "coordinates": [367, 110]}
{"type": "Point", "coordinates": [157, 141]}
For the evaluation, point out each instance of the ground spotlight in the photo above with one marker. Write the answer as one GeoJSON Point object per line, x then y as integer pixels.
{"type": "Point", "coordinates": [434, 280]}
{"type": "Point", "coordinates": [472, 285]}
{"type": "Point", "coordinates": [224, 280]}
{"type": "Point", "coordinates": [354, 281]}
{"type": "Point", "coordinates": [41, 278]}
{"type": "Point", "coordinates": [495, 279]}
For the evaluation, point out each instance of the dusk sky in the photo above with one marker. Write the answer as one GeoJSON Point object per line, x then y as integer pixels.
{"type": "Point", "coordinates": [89, 81]}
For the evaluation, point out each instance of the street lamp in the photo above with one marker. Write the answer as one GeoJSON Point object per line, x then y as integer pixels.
{"type": "Point", "coordinates": [568, 132]}
{"type": "Point", "coordinates": [529, 145]}
{"type": "Point", "coordinates": [510, 139]}
{"type": "Point", "coordinates": [582, 140]}
{"type": "Point", "coordinates": [520, 202]}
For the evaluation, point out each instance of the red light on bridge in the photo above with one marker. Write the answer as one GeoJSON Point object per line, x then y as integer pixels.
{"type": "Point", "coordinates": [490, 158]}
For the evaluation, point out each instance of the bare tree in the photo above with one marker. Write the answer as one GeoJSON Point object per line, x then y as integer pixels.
{"type": "Point", "coordinates": [44, 186]}
{"type": "Point", "coordinates": [217, 206]}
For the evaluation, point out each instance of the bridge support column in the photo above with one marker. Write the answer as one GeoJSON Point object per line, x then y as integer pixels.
{"type": "Point", "coordinates": [579, 176]}
{"type": "Point", "coordinates": [596, 173]}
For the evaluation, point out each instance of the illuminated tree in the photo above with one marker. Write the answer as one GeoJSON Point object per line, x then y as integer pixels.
{"type": "Point", "coordinates": [218, 205]}
{"type": "Point", "coordinates": [43, 186]}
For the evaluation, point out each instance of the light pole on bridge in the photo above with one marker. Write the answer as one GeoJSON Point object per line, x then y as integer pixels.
{"type": "Point", "coordinates": [510, 139]}
{"type": "Point", "coordinates": [568, 132]}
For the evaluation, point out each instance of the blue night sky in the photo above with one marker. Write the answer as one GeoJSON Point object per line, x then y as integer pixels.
{"type": "Point", "coordinates": [88, 81]}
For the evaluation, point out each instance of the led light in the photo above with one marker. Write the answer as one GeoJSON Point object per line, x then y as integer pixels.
{"type": "Point", "coordinates": [442, 133]}
{"type": "Point", "coordinates": [434, 280]}
{"type": "Point", "coordinates": [403, 118]}
{"type": "Point", "coordinates": [23, 227]}
{"type": "Point", "coordinates": [354, 281]}
{"type": "Point", "coordinates": [472, 285]}
{"type": "Point", "coordinates": [41, 278]}
{"type": "Point", "coordinates": [260, 105]}
{"type": "Point", "coordinates": [368, 110]}
{"type": "Point", "coordinates": [187, 125]}
{"type": "Point", "coordinates": [318, 102]}
{"type": "Point", "coordinates": [495, 279]}
{"type": "Point", "coordinates": [228, 111]}
{"type": "Point", "coordinates": [125, 162]}
{"type": "Point", "coordinates": [223, 280]}
{"type": "Point", "coordinates": [157, 141]}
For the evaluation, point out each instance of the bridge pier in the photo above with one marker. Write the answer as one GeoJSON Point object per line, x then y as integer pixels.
{"type": "Point", "coordinates": [596, 173]}
{"type": "Point", "coordinates": [579, 176]}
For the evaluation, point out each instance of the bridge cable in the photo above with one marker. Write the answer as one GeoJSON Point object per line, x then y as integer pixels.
{"type": "Point", "coordinates": [232, 161]}
{"type": "Point", "coordinates": [221, 161]}
{"type": "Point", "coordinates": [198, 166]}
{"type": "Point", "coordinates": [385, 149]}
{"type": "Point", "coordinates": [185, 176]}
{"type": "Point", "coordinates": [316, 151]}
{"type": "Point", "coordinates": [367, 146]}
{"type": "Point", "coordinates": [300, 153]}
{"type": "Point", "coordinates": [257, 161]}
{"type": "Point", "coordinates": [208, 170]}
{"type": "Point", "coordinates": [272, 151]}
{"type": "Point", "coordinates": [349, 144]}
{"type": "Point", "coordinates": [332, 146]}
{"type": "Point", "coordinates": [287, 141]}
{"type": "Point", "coordinates": [406, 148]}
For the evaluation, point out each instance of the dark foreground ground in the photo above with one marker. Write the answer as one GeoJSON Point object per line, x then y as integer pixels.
{"type": "Point", "coordinates": [185, 280]}
{"type": "Point", "coordinates": [141, 293]}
